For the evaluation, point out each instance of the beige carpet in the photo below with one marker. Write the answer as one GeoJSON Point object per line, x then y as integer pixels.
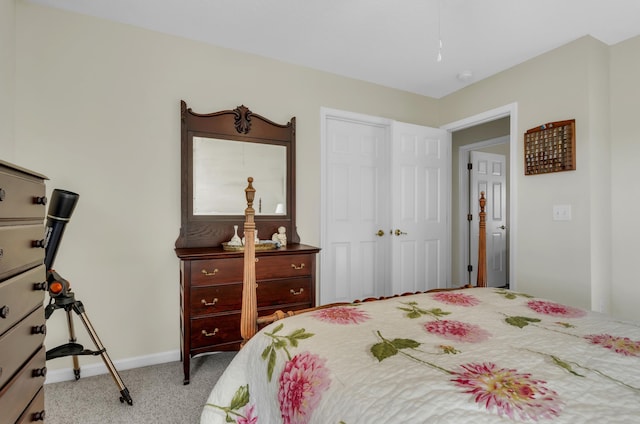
{"type": "Point", "coordinates": [157, 392]}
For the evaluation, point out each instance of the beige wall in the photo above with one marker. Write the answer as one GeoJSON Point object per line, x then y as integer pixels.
{"type": "Point", "coordinates": [98, 113]}
{"type": "Point", "coordinates": [552, 257]}
{"type": "Point", "coordinates": [625, 194]}
{"type": "Point", "coordinates": [96, 109]}
{"type": "Point", "coordinates": [7, 78]}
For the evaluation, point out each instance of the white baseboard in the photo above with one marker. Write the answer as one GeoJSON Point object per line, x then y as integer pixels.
{"type": "Point", "coordinates": [90, 370]}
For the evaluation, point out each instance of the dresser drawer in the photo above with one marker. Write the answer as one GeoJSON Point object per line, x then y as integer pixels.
{"type": "Point", "coordinates": [20, 196]}
{"type": "Point", "coordinates": [216, 299]}
{"type": "Point", "coordinates": [225, 328]}
{"type": "Point", "coordinates": [16, 249]}
{"type": "Point", "coordinates": [14, 397]}
{"type": "Point", "coordinates": [214, 271]}
{"type": "Point", "coordinates": [18, 342]}
{"type": "Point", "coordinates": [283, 266]}
{"type": "Point", "coordinates": [228, 297]}
{"type": "Point", "coordinates": [18, 296]}
{"type": "Point", "coordinates": [215, 330]}
{"type": "Point", "coordinates": [281, 292]}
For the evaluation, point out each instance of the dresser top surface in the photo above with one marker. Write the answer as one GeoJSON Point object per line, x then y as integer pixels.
{"type": "Point", "coordinates": [186, 253]}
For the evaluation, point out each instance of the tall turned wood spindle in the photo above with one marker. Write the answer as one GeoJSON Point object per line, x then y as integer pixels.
{"type": "Point", "coordinates": [482, 245]}
{"type": "Point", "coordinates": [249, 314]}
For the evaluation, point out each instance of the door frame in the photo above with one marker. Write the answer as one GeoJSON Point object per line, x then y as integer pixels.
{"type": "Point", "coordinates": [463, 195]}
{"type": "Point", "coordinates": [510, 110]}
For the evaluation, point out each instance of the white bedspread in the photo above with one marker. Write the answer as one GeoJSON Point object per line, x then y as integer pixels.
{"type": "Point", "coordinates": [468, 356]}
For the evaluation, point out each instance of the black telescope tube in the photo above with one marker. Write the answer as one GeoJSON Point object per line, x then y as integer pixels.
{"type": "Point", "coordinates": [61, 207]}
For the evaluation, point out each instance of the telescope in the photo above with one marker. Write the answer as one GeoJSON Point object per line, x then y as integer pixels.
{"type": "Point", "coordinates": [62, 204]}
{"type": "Point", "coordinates": [61, 207]}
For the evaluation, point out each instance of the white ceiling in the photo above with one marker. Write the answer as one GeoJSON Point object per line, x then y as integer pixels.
{"type": "Point", "coordinates": [393, 43]}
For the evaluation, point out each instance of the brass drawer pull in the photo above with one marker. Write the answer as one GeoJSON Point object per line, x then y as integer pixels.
{"type": "Point", "coordinates": [215, 331]}
{"type": "Point", "coordinates": [212, 303]}
{"type": "Point", "coordinates": [294, 266]}
{"type": "Point", "coordinates": [296, 293]}
{"type": "Point", "coordinates": [210, 274]}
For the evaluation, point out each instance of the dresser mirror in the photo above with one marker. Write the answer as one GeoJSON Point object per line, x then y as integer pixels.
{"type": "Point", "coordinates": [219, 151]}
{"type": "Point", "coordinates": [220, 170]}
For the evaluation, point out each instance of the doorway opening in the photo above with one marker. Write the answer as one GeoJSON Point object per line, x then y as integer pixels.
{"type": "Point", "coordinates": [490, 131]}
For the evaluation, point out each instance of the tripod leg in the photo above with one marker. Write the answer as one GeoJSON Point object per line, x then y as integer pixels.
{"type": "Point", "coordinates": [72, 339]}
{"type": "Point", "coordinates": [124, 392]}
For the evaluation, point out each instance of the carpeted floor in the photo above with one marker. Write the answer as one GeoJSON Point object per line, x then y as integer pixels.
{"type": "Point", "coordinates": [157, 392]}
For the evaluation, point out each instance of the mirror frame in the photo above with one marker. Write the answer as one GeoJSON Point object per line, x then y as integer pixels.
{"type": "Point", "coordinates": [239, 124]}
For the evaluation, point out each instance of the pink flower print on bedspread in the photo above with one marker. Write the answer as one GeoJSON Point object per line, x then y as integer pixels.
{"type": "Point", "coordinates": [459, 299]}
{"type": "Point", "coordinates": [622, 345]}
{"type": "Point", "coordinates": [302, 383]}
{"type": "Point", "coordinates": [342, 315]}
{"type": "Point", "coordinates": [508, 392]}
{"type": "Point", "coordinates": [249, 416]}
{"type": "Point", "coordinates": [456, 330]}
{"type": "Point", "coordinates": [555, 309]}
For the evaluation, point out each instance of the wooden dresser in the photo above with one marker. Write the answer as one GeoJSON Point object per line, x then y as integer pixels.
{"type": "Point", "coordinates": [22, 287]}
{"type": "Point", "coordinates": [211, 293]}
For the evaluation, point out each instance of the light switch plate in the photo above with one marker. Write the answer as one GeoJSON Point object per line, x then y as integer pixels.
{"type": "Point", "coordinates": [562, 212]}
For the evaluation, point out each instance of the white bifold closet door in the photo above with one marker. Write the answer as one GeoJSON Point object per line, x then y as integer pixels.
{"type": "Point", "coordinates": [385, 200]}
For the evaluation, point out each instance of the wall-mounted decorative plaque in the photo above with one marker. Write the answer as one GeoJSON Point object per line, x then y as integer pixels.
{"type": "Point", "coordinates": [550, 148]}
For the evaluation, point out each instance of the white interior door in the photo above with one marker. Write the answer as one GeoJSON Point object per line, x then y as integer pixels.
{"type": "Point", "coordinates": [354, 258]}
{"type": "Point", "coordinates": [420, 207]}
{"type": "Point", "coordinates": [488, 175]}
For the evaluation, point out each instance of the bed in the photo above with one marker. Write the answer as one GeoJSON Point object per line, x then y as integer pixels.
{"type": "Point", "coordinates": [481, 355]}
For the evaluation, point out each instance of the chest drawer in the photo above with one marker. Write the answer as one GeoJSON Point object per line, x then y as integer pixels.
{"type": "Point", "coordinates": [18, 296]}
{"type": "Point", "coordinates": [25, 337]}
{"type": "Point", "coordinates": [21, 197]}
{"type": "Point", "coordinates": [283, 266]}
{"type": "Point", "coordinates": [228, 297]}
{"type": "Point", "coordinates": [214, 271]}
{"type": "Point", "coordinates": [22, 388]}
{"type": "Point", "coordinates": [35, 410]}
{"type": "Point", "coordinates": [16, 250]}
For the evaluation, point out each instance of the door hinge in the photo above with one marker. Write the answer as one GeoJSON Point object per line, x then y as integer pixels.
{"type": "Point", "coordinates": [469, 217]}
{"type": "Point", "coordinates": [469, 166]}
{"type": "Point", "coordinates": [469, 268]}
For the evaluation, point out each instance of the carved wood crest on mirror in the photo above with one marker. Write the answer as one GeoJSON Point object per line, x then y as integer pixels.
{"type": "Point", "coordinates": [219, 151]}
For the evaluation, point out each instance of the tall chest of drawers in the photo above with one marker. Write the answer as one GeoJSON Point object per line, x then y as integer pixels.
{"type": "Point", "coordinates": [22, 287]}
{"type": "Point", "coordinates": [211, 293]}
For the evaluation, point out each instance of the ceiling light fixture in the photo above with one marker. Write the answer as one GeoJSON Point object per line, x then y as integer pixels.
{"type": "Point", "coordinates": [465, 76]}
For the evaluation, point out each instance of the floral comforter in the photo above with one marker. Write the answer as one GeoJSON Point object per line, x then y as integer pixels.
{"type": "Point", "coordinates": [480, 355]}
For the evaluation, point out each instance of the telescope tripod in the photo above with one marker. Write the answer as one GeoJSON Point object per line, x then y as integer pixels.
{"type": "Point", "coordinates": [67, 301]}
